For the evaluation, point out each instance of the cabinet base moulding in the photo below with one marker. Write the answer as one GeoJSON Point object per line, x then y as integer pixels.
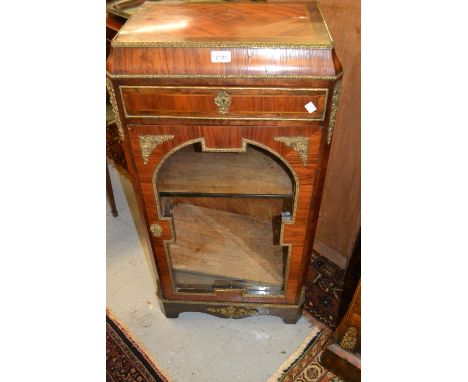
{"type": "Point", "coordinates": [289, 313]}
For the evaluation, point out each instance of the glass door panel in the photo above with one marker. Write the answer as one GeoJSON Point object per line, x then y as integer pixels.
{"type": "Point", "coordinates": [226, 211]}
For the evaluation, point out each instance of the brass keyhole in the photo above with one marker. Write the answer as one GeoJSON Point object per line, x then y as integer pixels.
{"type": "Point", "coordinates": [223, 102]}
{"type": "Point", "coordinates": [156, 230]}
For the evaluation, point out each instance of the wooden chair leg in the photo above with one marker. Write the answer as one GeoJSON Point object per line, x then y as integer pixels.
{"type": "Point", "coordinates": [110, 193]}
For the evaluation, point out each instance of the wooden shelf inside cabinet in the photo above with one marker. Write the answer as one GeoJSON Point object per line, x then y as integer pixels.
{"type": "Point", "coordinates": [245, 173]}
{"type": "Point", "coordinates": [225, 245]}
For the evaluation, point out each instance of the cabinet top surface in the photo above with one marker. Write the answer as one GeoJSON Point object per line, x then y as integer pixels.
{"type": "Point", "coordinates": [226, 24]}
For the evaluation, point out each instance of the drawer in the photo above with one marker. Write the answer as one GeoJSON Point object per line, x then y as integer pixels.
{"type": "Point", "coordinates": [224, 102]}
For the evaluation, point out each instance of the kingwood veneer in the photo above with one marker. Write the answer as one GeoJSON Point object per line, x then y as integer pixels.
{"type": "Point", "coordinates": [223, 88]}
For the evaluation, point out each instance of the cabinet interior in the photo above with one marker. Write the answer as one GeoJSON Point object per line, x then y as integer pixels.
{"type": "Point", "coordinates": [227, 209]}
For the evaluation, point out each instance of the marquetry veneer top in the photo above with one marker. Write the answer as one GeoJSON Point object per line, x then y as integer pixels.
{"type": "Point", "coordinates": [226, 24]}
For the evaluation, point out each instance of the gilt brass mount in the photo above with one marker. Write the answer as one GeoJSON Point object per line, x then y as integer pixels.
{"type": "Point", "coordinates": [334, 109]}
{"type": "Point", "coordinates": [298, 144]}
{"type": "Point", "coordinates": [223, 102]}
{"type": "Point", "coordinates": [149, 142]}
{"type": "Point", "coordinates": [233, 311]}
{"type": "Point", "coordinates": [156, 230]}
{"type": "Point", "coordinates": [349, 340]}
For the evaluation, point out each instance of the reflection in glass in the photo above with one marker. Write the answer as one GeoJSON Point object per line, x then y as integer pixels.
{"type": "Point", "coordinates": [227, 210]}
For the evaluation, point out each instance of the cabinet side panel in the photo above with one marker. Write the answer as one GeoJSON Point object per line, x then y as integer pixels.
{"type": "Point", "coordinates": [340, 211]}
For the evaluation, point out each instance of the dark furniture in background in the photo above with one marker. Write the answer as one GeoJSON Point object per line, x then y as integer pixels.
{"type": "Point", "coordinates": [110, 193]}
{"type": "Point", "coordinates": [114, 149]}
{"type": "Point", "coordinates": [343, 355]}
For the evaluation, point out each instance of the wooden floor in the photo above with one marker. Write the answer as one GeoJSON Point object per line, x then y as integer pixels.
{"type": "Point", "coordinates": [226, 245]}
{"type": "Point", "coordinates": [252, 172]}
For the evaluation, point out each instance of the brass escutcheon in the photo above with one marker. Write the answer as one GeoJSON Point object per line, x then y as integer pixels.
{"type": "Point", "coordinates": [223, 102]}
{"type": "Point", "coordinates": [349, 340]}
{"type": "Point", "coordinates": [156, 230]}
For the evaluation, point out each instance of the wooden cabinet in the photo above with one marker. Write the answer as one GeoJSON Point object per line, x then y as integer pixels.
{"type": "Point", "coordinates": [226, 112]}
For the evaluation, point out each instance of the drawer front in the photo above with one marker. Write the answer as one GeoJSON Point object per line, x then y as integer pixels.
{"type": "Point", "coordinates": [224, 102]}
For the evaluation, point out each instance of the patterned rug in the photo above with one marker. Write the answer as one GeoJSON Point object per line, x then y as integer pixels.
{"type": "Point", "coordinates": [330, 289]}
{"type": "Point", "coordinates": [304, 365]}
{"type": "Point", "coordinates": [309, 369]}
{"type": "Point", "coordinates": [127, 361]}
{"type": "Point", "coordinates": [324, 290]}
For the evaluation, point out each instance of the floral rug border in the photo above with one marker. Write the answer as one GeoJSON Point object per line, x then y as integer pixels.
{"type": "Point", "coordinates": [140, 358]}
{"type": "Point", "coordinates": [136, 363]}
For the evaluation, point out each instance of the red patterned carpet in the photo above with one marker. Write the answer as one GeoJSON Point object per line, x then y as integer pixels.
{"type": "Point", "coordinates": [126, 361]}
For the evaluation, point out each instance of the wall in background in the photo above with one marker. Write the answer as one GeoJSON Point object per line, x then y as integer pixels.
{"type": "Point", "coordinates": [340, 213]}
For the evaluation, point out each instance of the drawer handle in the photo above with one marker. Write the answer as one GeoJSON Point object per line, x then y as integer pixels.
{"type": "Point", "coordinates": [223, 102]}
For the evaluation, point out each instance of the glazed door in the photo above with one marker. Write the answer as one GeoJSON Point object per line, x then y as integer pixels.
{"type": "Point", "coordinates": [227, 207]}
